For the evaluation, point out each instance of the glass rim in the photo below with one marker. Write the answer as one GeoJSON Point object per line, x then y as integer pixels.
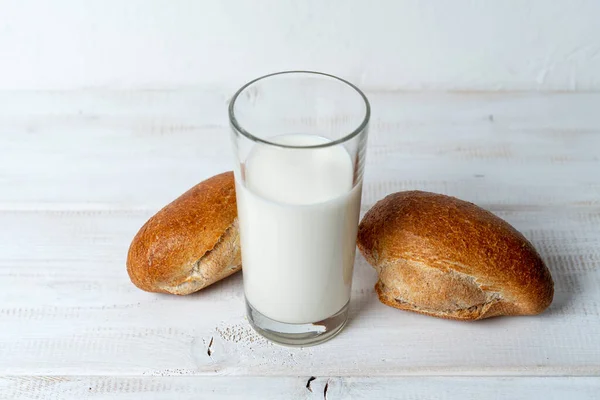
{"type": "Point", "coordinates": [239, 129]}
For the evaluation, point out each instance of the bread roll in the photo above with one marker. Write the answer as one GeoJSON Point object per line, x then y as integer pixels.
{"type": "Point", "coordinates": [441, 256]}
{"type": "Point", "coordinates": [191, 243]}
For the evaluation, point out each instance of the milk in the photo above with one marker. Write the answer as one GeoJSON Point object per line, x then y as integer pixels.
{"type": "Point", "coordinates": [298, 214]}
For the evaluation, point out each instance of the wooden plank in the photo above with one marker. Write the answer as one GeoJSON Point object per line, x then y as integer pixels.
{"type": "Point", "coordinates": [81, 171]}
{"type": "Point", "coordinates": [67, 306]}
{"type": "Point", "coordinates": [264, 388]}
{"type": "Point", "coordinates": [139, 150]}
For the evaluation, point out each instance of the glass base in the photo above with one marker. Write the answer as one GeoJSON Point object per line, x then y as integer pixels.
{"type": "Point", "coordinates": [297, 335]}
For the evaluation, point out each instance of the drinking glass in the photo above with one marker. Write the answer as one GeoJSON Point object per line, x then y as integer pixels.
{"type": "Point", "coordinates": [299, 140]}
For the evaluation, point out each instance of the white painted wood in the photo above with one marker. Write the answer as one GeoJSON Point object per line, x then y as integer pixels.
{"type": "Point", "coordinates": [428, 44]}
{"type": "Point", "coordinates": [265, 388]}
{"type": "Point", "coordinates": [140, 150]}
{"type": "Point", "coordinates": [67, 305]}
{"type": "Point", "coordinates": [80, 172]}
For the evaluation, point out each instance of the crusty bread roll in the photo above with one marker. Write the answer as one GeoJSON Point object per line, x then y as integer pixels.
{"type": "Point", "coordinates": [441, 256]}
{"type": "Point", "coordinates": [191, 243]}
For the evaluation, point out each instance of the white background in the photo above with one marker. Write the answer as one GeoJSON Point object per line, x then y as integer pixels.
{"type": "Point", "coordinates": [390, 44]}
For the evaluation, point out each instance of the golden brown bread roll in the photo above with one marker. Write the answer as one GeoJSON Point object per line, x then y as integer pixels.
{"type": "Point", "coordinates": [441, 256]}
{"type": "Point", "coordinates": [191, 243]}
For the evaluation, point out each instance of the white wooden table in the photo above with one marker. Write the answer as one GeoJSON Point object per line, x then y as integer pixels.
{"type": "Point", "coordinates": [81, 171]}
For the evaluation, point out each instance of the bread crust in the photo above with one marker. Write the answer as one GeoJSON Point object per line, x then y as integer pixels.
{"type": "Point", "coordinates": [191, 243]}
{"type": "Point", "coordinates": [441, 256]}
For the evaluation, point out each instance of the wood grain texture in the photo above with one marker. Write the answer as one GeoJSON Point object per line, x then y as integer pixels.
{"type": "Point", "coordinates": [322, 388]}
{"type": "Point", "coordinates": [81, 311]}
{"type": "Point", "coordinates": [80, 172]}
{"type": "Point", "coordinates": [140, 150]}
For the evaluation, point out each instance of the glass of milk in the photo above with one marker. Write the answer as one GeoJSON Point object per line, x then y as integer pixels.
{"type": "Point", "coordinates": [299, 140]}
